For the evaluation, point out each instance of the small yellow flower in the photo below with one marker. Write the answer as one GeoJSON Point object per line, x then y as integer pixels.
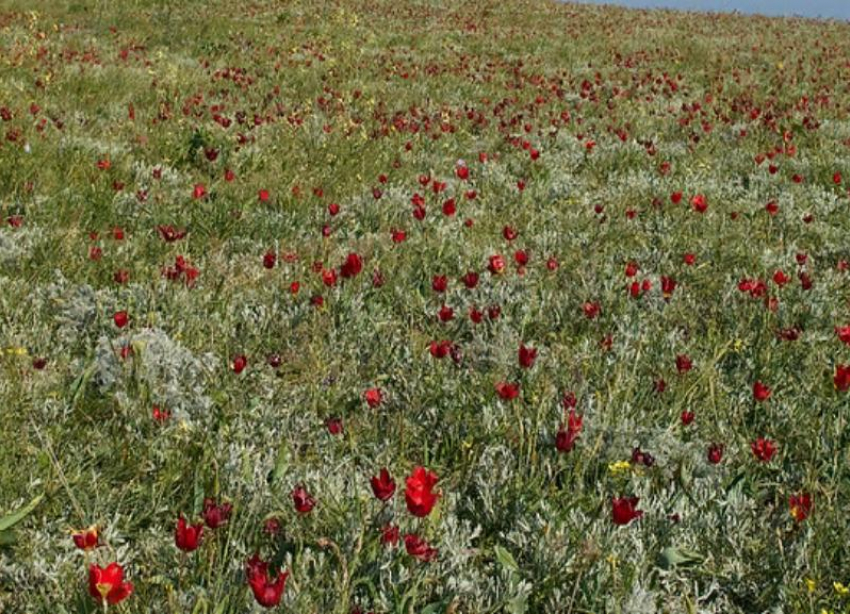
{"type": "Point", "coordinates": [811, 585]}
{"type": "Point", "coordinates": [739, 345]}
{"type": "Point", "coordinates": [841, 589]}
{"type": "Point", "coordinates": [619, 467]}
{"type": "Point", "coordinates": [613, 561]}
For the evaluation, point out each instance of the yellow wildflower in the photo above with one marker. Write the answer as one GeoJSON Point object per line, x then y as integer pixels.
{"type": "Point", "coordinates": [619, 467]}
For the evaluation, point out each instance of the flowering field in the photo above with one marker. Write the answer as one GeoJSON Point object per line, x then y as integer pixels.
{"type": "Point", "coordinates": [410, 306]}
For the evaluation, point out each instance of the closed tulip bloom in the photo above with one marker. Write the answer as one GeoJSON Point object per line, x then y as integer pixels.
{"type": "Point", "coordinates": [383, 485]}
{"type": "Point", "coordinates": [188, 537]}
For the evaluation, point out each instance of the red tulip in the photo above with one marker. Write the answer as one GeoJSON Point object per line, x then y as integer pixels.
{"type": "Point", "coordinates": [121, 276]}
{"type": "Point", "coordinates": [86, 539]}
{"type": "Point", "coordinates": [842, 377]}
{"type": "Point", "coordinates": [329, 277]}
{"type": "Point", "coordinates": [566, 437]}
{"type": "Point", "coordinates": [687, 417]}
{"type": "Point", "coordinates": [439, 283]}
{"type": "Point", "coordinates": [352, 266]}
{"type": "Point", "coordinates": [449, 207]}
{"type": "Point", "coordinates": [216, 515]}
{"type": "Point", "coordinates": [121, 319]}
{"type": "Point", "coordinates": [389, 534]}
{"type": "Point", "coordinates": [507, 391]}
{"type": "Point", "coordinates": [418, 548]}
{"type": "Point", "coordinates": [591, 310]}
{"type": "Point", "coordinates": [527, 356]}
{"type": "Point", "coordinates": [446, 313]}
{"type": "Point", "coordinates": [334, 426]}
{"type": "Point", "coordinates": [266, 591]}
{"type": "Point", "coordinates": [269, 259]}
{"type": "Point", "coordinates": [521, 257]}
{"type": "Point", "coordinates": [470, 280]}
{"type": "Point", "coordinates": [419, 494]}
{"type": "Point", "coordinates": [624, 510]}
{"type": "Point", "coordinates": [668, 286]}
{"type": "Point", "coordinates": [800, 506]}
{"type": "Point", "coordinates": [373, 397]}
{"type": "Point", "coordinates": [763, 449]}
{"type": "Point", "coordinates": [199, 191]}
{"type": "Point", "coordinates": [304, 503]}
{"type": "Point", "coordinates": [188, 537]}
{"type": "Point", "coordinates": [107, 584]}
{"type": "Point", "coordinates": [383, 485]}
{"type": "Point", "coordinates": [440, 349]}
{"type": "Point", "coordinates": [496, 264]}
{"type": "Point", "coordinates": [715, 453]}
{"type": "Point", "coordinates": [699, 203]}
{"type": "Point", "coordinates": [761, 392]}
{"type": "Point", "coordinates": [683, 363]}
{"type": "Point", "coordinates": [239, 363]}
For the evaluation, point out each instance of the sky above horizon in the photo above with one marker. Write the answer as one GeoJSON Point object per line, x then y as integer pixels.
{"type": "Point", "coordinates": [837, 9]}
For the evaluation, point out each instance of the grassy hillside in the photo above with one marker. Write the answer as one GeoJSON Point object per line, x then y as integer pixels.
{"type": "Point", "coordinates": [558, 256]}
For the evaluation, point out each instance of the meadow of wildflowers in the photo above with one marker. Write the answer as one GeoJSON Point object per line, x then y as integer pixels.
{"type": "Point", "coordinates": [413, 306]}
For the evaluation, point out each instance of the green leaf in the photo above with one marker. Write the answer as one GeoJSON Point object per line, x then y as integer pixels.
{"type": "Point", "coordinates": [8, 538]}
{"type": "Point", "coordinates": [10, 520]}
{"type": "Point", "coordinates": [671, 557]}
{"type": "Point", "coordinates": [505, 558]}
{"type": "Point", "coordinates": [281, 464]}
{"type": "Point", "coordinates": [433, 608]}
{"type": "Point", "coordinates": [517, 605]}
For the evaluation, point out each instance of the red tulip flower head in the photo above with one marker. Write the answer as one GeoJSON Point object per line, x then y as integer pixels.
{"type": "Point", "coordinates": [507, 391]}
{"type": "Point", "coordinates": [800, 506]}
{"type": "Point", "coordinates": [418, 548]}
{"type": "Point", "coordinates": [841, 379]}
{"type": "Point", "coordinates": [188, 537]}
{"type": "Point", "coordinates": [383, 485]}
{"type": "Point", "coordinates": [624, 510]}
{"type": "Point", "coordinates": [373, 397]}
{"type": "Point", "coordinates": [761, 392]}
{"type": "Point", "coordinates": [527, 356]}
{"type": "Point", "coordinates": [107, 584]}
{"type": "Point", "coordinates": [87, 539]}
{"type": "Point", "coordinates": [216, 514]}
{"type": "Point", "coordinates": [267, 592]}
{"type": "Point", "coordinates": [121, 318]}
{"type": "Point", "coordinates": [566, 438]}
{"type": "Point", "coordinates": [303, 501]}
{"type": "Point", "coordinates": [420, 495]}
{"type": "Point", "coordinates": [763, 449]}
